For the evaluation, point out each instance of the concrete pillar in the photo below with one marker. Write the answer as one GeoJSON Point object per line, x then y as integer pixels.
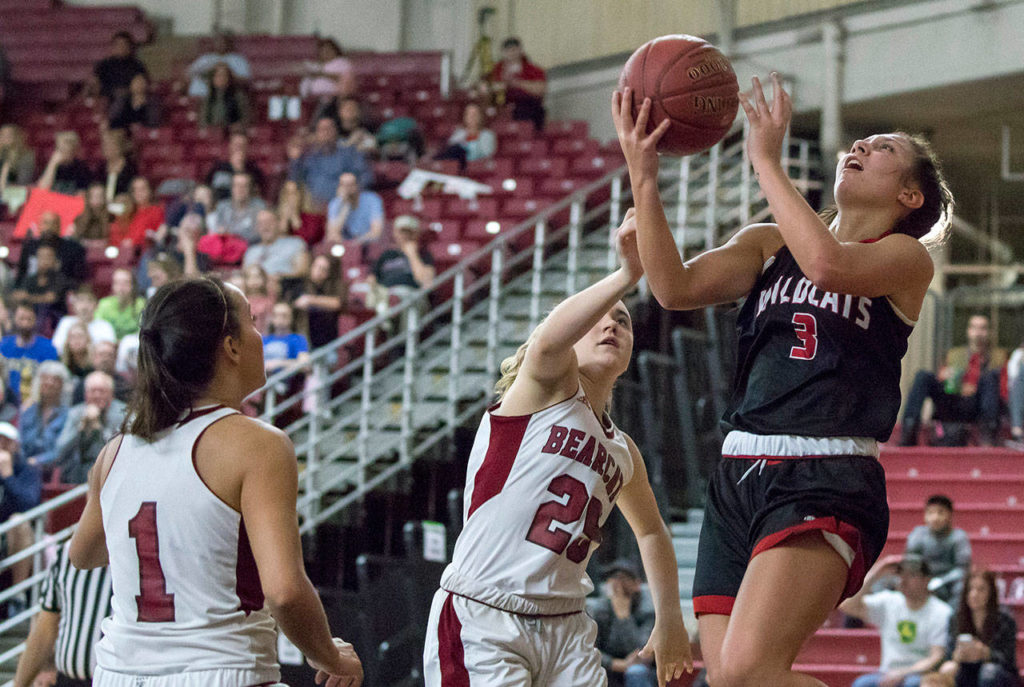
{"type": "Point", "coordinates": [726, 26]}
{"type": "Point", "coordinates": [831, 106]}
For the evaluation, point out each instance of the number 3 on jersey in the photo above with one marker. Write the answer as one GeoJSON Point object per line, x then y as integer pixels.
{"type": "Point", "coordinates": [558, 540]}
{"type": "Point", "coordinates": [154, 603]}
{"type": "Point", "coordinates": [807, 332]}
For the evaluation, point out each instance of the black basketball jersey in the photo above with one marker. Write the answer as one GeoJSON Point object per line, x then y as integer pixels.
{"type": "Point", "coordinates": [814, 363]}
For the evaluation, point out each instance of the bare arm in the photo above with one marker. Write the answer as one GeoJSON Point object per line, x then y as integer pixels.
{"type": "Point", "coordinates": [669, 644]}
{"type": "Point", "coordinates": [855, 605]}
{"type": "Point", "coordinates": [39, 648]}
{"type": "Point", "coordinates": [421, 271]}
{"type": "Point", "coordinates": [89, 543]}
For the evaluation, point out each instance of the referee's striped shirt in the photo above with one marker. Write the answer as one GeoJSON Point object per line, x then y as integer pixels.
{"type": "Point", "coordinates": [82, 598]}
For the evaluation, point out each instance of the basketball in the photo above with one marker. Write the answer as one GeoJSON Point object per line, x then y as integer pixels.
{"type": "Point", "coordinates": [689, 82]}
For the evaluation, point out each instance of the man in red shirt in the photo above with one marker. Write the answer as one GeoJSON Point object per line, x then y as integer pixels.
{"type": "Point", "coordinates": [522, 82]}
{"type": "Point", "coordinates": [966, 388]}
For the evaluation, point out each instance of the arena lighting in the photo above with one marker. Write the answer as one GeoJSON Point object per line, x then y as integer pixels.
{"type": "Point", "coordinates": [111, 252]}
{"type": "Point", "coordinates": [509, 184]}
{"type": "Point", "coordinates": [4, 252]}
{"type": "Point", "coordinates": [337, 250]}
{"type": "Point", "coordinates": [454, 249]}
{"type": "Point", "coordinates": [492, 227]}
{"type": "Point", "coordinates": [436, 226]}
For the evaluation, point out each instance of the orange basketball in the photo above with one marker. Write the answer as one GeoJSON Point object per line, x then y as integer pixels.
{"type": "Point", "coordinates": [690, 83]}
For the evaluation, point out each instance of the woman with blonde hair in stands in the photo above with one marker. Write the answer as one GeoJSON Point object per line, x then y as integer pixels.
{"type": "Point", "coordinates": [17, 159]}
{"type": "Point", "coordinates": [46, 410]}
{"type": "Point", "coordinates": [65, 171]}
{"type": "Point", "coordinates": [76, 354]}
{"type": "Point", "coordinates": [295, 208]}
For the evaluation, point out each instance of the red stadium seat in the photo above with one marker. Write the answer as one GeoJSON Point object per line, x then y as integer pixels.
{"type": "Point", "coordinates": [510, 186]}
{"type": "Point", "coordinates": [574, 128]}
{"type": "Point", "coordinates": [491, 167]}
{"type": "Point", "coordinates": [513, 128]}
{"type": "Point", "coordinates": [446, 231]}
{"type": "Point", "coordinates": [519, 209]}
{"type": "Point", "coordinates": [471, 209]}
{"type": "Point", "coordinates": [522, 147]}
{"type": "Point", "coordinates": [561, 186]}
{"type": "Point", "coordinates": [575, 146]}
{"type": "Point", "coordinates": [544, 166]}
{"type": "Point", "coordinates": [428, 209]}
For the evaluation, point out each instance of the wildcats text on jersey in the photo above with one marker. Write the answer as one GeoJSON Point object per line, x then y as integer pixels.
{"type": "Point", "coordinates": [586, 449]}
{"type": "Point", "coordinates": [804, 291]}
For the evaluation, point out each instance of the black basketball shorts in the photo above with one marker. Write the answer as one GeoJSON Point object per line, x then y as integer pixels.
{"type": "Point", "coordinates": [755, 504]}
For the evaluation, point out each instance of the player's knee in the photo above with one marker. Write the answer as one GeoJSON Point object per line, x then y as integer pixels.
{"type": "Point", "coordinates": [739, 673]}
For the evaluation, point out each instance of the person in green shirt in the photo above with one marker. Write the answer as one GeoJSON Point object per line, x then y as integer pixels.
{"type": "Point", "coordinates": [123, 306]}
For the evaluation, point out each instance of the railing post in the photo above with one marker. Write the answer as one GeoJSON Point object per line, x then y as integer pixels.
{"type": "Point", "coordinates": [805, 166]}
{"type": "Point", "coordinates": [319, 401]}
{"type": "Point", "coordinates": [745, 178]}
{"type": "Point", "coordinates": [711, 216]}
{"type": "Point", "coordinates": [364, 407]}
{"type": "Point", "coordinates": [539, 232]}
{"type": "Point", "coordinates": [39, 531]}
{"type": "Point", "coordinates": [575, 216]}
{"type": "Point", "coordinates": [408, 381]}
{"type": "Point", "coordinates": [270, 403]}
{"type": "Point", "coordinates": [683, 209]}
{"type": "Point", "coordinates": [446, 74]}
{"type": "Point", "coordinates": [453, 352]}
{"type": "Point", "coordinates": [614, 213]}
{"type": "Point", "coordinates": [493, 321]}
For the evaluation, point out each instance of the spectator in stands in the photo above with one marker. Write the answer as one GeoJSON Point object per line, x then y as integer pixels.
{"type": "Point", "coordinates": [351, 128]}
{"type": "Point", "coordinates": [354, 213]}
{"type": "Point", "coordinates": [1015, 383]}
{"type": "Point", "coordinates": [123, 306]}
{"type": "Point", "coordinates": [519, 81]}
{"type": "Point", "coordinates": [330, 75]}
{"type": "Point", "coordinates": [178, 246]}
{"type": "Point", "coordinates": [281, 256]}
{"type": "Point", "coordinates": [94, 222]}
{"type": "Point", "coordinates": [322, 299]}
{"type": "Point", "coordinates": [8, 400]}
{"type": "Point", "coordinates": [103, 358]}
{"type": "Point", "coordinates": [117, 169]}
{"type": "Point", "coordinates": [946, 548]}
{"type": "Point", "coordinates": [137, 105]}
{"type": "Point", "coordinates": [223, 53]}
{"type": "Point", "coordinates": [220, 177]}
{"type": "Point", "coordinates": [295, 210]}
{"type": "Point", "coordinates": [471, 141]}
{"type": "Point", "coordinates": [24, 350]}
{"type": "Point", "coordinates": [197, 199]}
{"type": "Point", "coordinates": [227, 103]}
{"type": "Point", "coordinates": [65, 171]}
{"type": "Point", "coordinates": [76, 353]}
{"type": "Point", "coordinates": [911, 621]}
{"type": "Point", "coordinates": [237, 215]}
{"type": "Point", "coordinates": [257, 288]}
{"type": "Point", "coordinates": [113, 74]}
{"type": "Point", "coordinates": [625, 617]}
{"type": "Point", "coordinates": [140, 220]}
{"type": "Point", "coordinates": [46, 288]}
{"type": "Point", "coordinates": [88, 427]}
{"type": "Point", "coordinates": [83, 304]}
{"type": "Point", "coordinates": [20, 490]}
{"type": "Point", "coordinates": [406, 266]}
{"type": "Point", "coordinates": [981, 648]}
{"type": "Point", "coordinates": [43, 418]}
{"type": "Point", "coordinates": [966, 389]}
{"type": "Point", "coordinates": [161, 270]}
{"type": "Point", "coordinates": [319, 167]}
{"type": "Point", "coordinates": [70, 253]}
{"type": "Point", "coordinates": [282, 346]}
{"type": "Point", "coordinates": [17, 159]}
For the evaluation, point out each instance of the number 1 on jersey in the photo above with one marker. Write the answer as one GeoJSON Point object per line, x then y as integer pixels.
{"type": "Point", "coordinates": [154, 603]}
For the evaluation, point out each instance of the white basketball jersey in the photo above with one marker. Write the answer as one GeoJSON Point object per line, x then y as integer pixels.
{"type": "Point", "coordinates": [187, 596]}
{"type": "Point", "coordinates": [538, 489]}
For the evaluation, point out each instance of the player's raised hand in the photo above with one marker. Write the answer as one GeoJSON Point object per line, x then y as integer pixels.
{"type": "Point", "coordinates": [768, 124]}
{"type": "Point", "coordinates": [639, 147]}
{"type": "Point", "coordinates": [629, 252]}
{"type": "Point", "coordinates": [669, 646]}
{"type": "Point", "coordinates": [347, 671]}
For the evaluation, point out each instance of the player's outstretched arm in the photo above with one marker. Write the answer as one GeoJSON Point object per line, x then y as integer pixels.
{"type": "Point", "coordinates": [268, 496]}
{"type": "Point", "coordinates": [669, 644]}
{"type": "Point", "coordinates": [717, 276]}
{"type": "Point", "coordinates": [88, 547]}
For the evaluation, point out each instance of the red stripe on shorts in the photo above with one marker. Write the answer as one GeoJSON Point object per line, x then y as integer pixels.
{"type": "Point", "coordinates": [449, 647]}
{"type": "Point", "coordinates": [718, 605]}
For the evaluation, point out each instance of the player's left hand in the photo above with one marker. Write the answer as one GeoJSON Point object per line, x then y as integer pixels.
{"type": "Point", "coordinates": [669, 646]}
{"type": "Point", "coordinates": [768, 124]}
{"type": "Point", "coordinates": [629, 252]}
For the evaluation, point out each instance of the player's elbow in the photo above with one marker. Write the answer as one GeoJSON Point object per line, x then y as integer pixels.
{"type": "Point", "coordinates": [671, 298]}
{"type": "Point", "coordinates": [282, 595]}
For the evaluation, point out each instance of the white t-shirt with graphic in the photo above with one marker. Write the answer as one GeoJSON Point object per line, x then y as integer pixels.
{"type": "Point", "coordinates": [907, 635]}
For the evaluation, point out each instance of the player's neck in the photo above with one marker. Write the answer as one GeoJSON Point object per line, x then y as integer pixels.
{"type": "Point", "coordinates": [859, 224]}
{"type": "Point", "coordinates": [598, 393]}
{"type": "Point", "coordinates": [222, 392]}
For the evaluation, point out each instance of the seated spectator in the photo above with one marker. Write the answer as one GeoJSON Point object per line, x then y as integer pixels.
{"type": "Point", "coordinates": [471, 141]}
{"type": "Point", "coordinates": [237, 215]}
{"type": "Point", "coordinates": [65, 171]}
{"type": "Point", "coordinates": [322, 299]}
{"type": "Point", "coordinates": [330, 74]}
{"type": "Point", "coordinates": [351, 129]}
{"type": "Point", "coordinates": [966, 389]}
{"type": "Point", "coordinates": [282, 256]}
{"type": "Point", "coordinates": [17, 159]}
{"type": "Point", "coordinates": [196, 200]}
{"type": "Point", "coordinates": [43, 419]}
{"type": "Point", "coordinates": [946, 548]}
{"type": "Point", "coordinates": [221, 176]}
{"type": "Point", "coordinates": [83, 304]}
{"type": "Point", "coordinates": [261, 293]}
{"type": "Point", "coordinates": [406, 265]}
{"type": "Point", "coordinates": [137, 105]}
{"type": "Point", "coordinates": [180, 246]}
{"type": "Point", "coordinates": [24, 350]}
{"type": "Point", "coordinates": [89, 426]}
{"type": "Point", "coordinates": [282, 347]}
{"type": "Point", "coordinates": [8, 400]}
{"type": "Point", "coordinates": [140, 220]}
{"type": "Point", "coordinates": [294, 209]}
{"type": "Point", "coordinates": [227, 103]}
{"type": "Point", "coordinates": [519, 81]}
{"type": "Point", "coordinates": [160, 271]}
{"type": "Point", "coordinates": [94, 222]}
{"type": "Point", "coordinates": [319, 167]}
{"type": "Point", "coordinates": [981, 648]}
{"type": "Point", "coordinates": [625, 617]}
{"type": "Point", "coordinates": [70, 252]}
{"type": "Point", "coordinates": [123, 306]}
{"type": "Point", "coordinates": [912, 622]}
{"type": "Point", "coordinates": [117, 169]}
{"type": "Point", "coordinates": [1015, 383]}
{"type": "Point", "coordinates": [103, 358]}
{"type": "Point", "coordinates": [113, 74]}
{"type": "Point", "coordinates": [20, 490]}
{"type": "Point", "coordinates": [354, 213]}
{"type": "Point", "coordinates": [223, 53]}
{"type": "Point", "coordinates": [76, 353]}
{"type": "Point", "coordinates": [46, 288]}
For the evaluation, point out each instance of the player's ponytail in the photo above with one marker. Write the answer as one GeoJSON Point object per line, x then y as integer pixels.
{"type": "Point", "coordinates": [929, 223]}
{"type": "Point", "coordinates": [182, 327]}
{"type": "Point", "coordinates": [509, 368]}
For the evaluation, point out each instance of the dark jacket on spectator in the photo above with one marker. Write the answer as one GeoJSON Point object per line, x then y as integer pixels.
{"type": "Point", "coordinates": [21, 491]}
{"type": "Point", "coordinates": [115, 73]}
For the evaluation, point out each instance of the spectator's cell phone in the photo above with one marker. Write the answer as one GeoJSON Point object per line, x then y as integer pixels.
{"type": "Point", "coordinates": [964, 639]}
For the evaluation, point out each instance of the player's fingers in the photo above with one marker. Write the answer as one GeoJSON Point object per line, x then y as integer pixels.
{"type": "Point", "coordinates": [616, 105]}
{"type": "Point", "coordinates": [748, 108]}
{"type": "Point", "coordinates": [320, 677]}
{"type": "Point", "coordinates": [762, 104]}
{"type": "Point", "coordinates": [626, 109]}
{"type": "Point", "coordinates": [660, 131]}
{"type": "Point", "coordinates": [630, 213]}
{"type": "Point", "coordinates": [642, 116]}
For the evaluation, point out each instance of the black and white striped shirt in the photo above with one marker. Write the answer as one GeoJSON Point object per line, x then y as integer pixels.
{"type": "Point", "coordinates": [82, 598]}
